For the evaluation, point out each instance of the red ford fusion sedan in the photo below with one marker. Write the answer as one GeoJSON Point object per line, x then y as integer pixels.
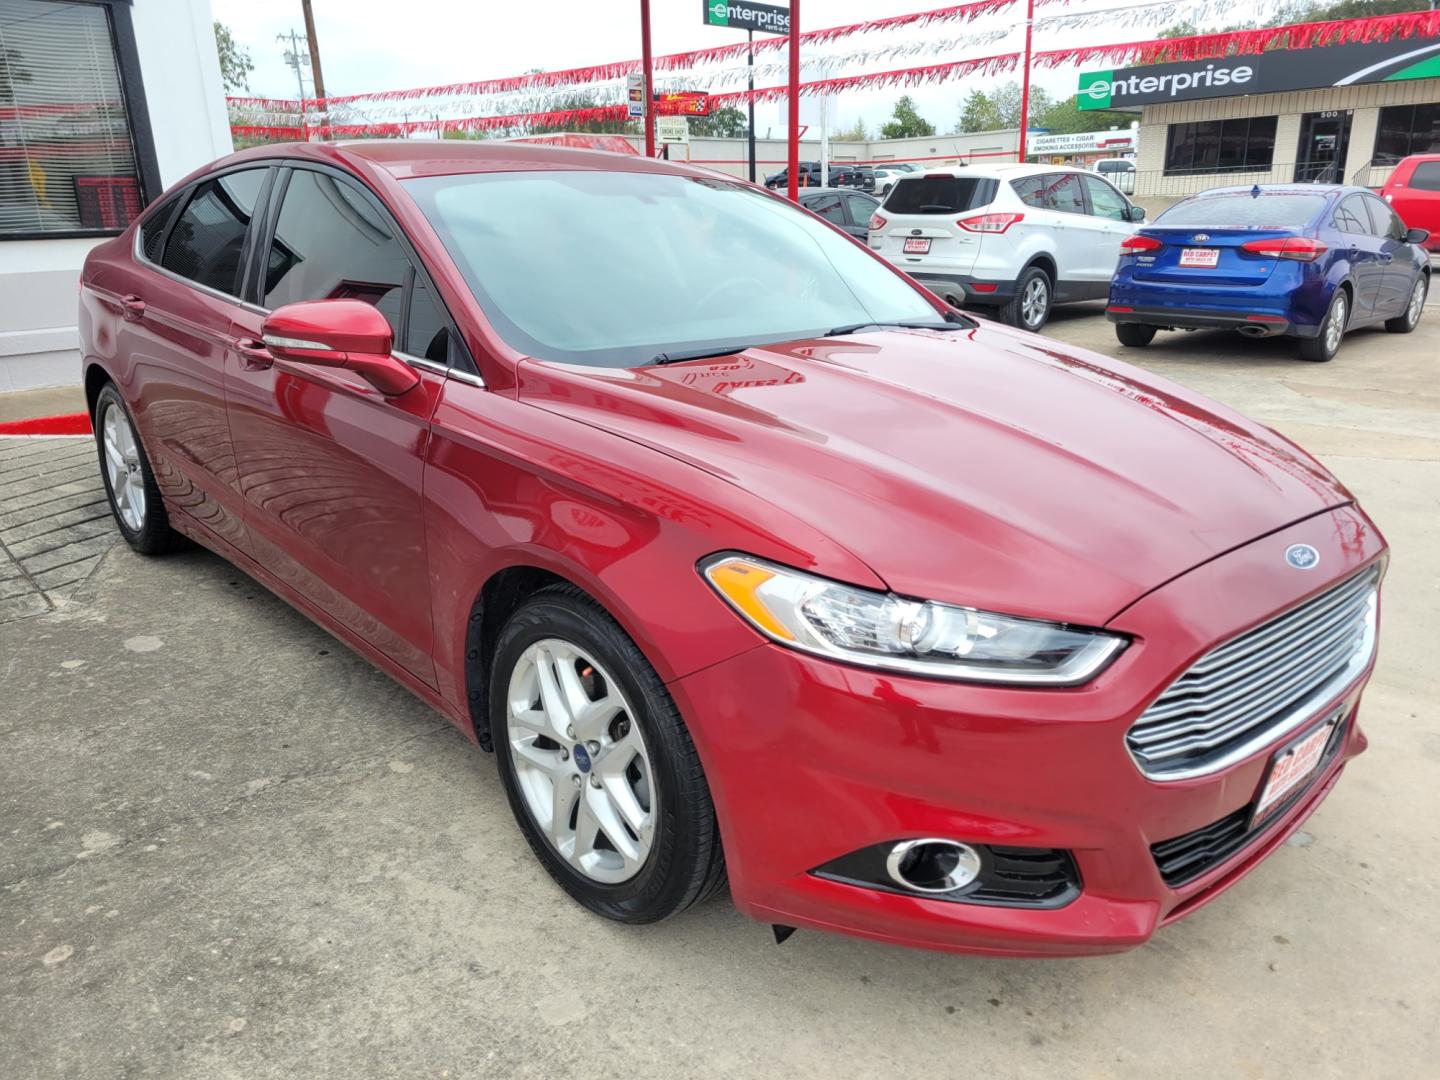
{"type": "Point", "coordinates": [749, 559]}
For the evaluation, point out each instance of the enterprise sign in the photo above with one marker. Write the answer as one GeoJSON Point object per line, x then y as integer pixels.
{"type": "Point", "coordinates": [1266, 73]}
{"type": "Point", "coordinates": [746, 15]}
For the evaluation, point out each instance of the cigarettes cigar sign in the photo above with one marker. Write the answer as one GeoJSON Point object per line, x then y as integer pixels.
{"type": "Point", "coordinates": [1266, 73]}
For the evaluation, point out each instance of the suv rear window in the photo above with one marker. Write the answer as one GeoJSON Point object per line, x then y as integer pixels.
{"type": "Point", "coordinates": [1115, 166]}
{"type": "Point", "coordinates": [1269, 209]}
{"type": "Point", "coordinates": [940, 194]}
{"type": "Point", "coordinates": [1427, 176]}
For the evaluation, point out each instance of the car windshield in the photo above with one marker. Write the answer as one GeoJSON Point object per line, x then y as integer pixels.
{"type": "Point", "coordinates": [1243, 210]}
{"type": "Point", "coordinates": [614, 269]}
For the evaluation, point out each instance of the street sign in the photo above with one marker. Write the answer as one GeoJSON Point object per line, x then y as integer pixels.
{"type": "Point", "coordinates": [744, 15]}
{"type": "Point", "coordinates": [635, 94]}
{"type": "Point", "coordinates": [673, 129]}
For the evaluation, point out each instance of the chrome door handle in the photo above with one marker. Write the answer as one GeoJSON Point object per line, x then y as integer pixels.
{"type": "Point", "coordinates": [254, 354]}
{"type": "Point", "coordinates": [133, 308]}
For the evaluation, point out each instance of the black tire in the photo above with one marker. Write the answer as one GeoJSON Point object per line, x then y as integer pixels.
{"type": "Point", "coordinates": [155, 535]}
{"type": "Point", "coordinates": [686, 864]}
{"type": "Point", "coordinates": [1134, 335]}
{"type": "Point", "coordinates": [1013, 311]}
{"type": "Point", "coordinates": [1403, 324]}
{"type": "Point", "coordinates": [1324, 345]}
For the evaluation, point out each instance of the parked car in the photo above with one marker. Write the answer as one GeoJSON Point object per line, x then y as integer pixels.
{"type": "Point", "coordinates": [751, 559]}
{"type": "Point", "coordinates": [886, 174]}
{"type": "Point", "coordinates": [1413, 190]}
{"type": "Point", "coordinates": [841, 175]}
{"type": "Point", "coordinates": [864, 178]}
{"type": "Point", "coordinates": [1310, 262]}
{"type": "Point", "coordinates": [1017, 239]}
{"type": "Point", "coordinates": [843, 207]}
{"type": "Point", "coordinates": [1119, 171]}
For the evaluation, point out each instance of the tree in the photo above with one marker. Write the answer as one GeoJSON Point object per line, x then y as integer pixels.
{"type": "Point", "coordinates": [235, 64]}
{"type": "Point", "coordinates": [580, 100]}
{"type": "Point", "coordinates": [906, 122]}
{"type": "Point", "coordinates": [978, 114]}
{"type": "Point", "coordinates": [726, 123]}
{"type": "Point", "coordinates": [1000, 108]}
{"type": "Point", "coordinates": [856, 132]}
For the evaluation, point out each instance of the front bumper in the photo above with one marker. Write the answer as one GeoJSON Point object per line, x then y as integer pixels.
{"type": "Point", "coordinates": [809, 760]}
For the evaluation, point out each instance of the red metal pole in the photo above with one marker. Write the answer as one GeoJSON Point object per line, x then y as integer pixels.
{"type": "Point", "coordinates": [794, 121]}
{"type": "Point", "coordinates": [649, 66]}
{"type": "Point", "coordinates": [1025, 80]}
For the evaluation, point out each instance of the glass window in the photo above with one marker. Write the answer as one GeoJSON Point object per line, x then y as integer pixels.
{"type": "Point", "coordinates": [828, 207]}
{"type": "Point", "coordinates": [1407, 129]}
{"type": "Point", "coordinates": [428, 333]}
{"type": "Point", "coordinates": [1426, 176]}
{"type": "Point", "coordinates": [1350, 216]}
{"type": "Point", "coordinates": [1105, 201]}
{"type": "Point", "coordinates": [1239, 144]}
{"type": "Point", "coordinates": [1384, 220]}
{"type": "Point", "coordinates": [1064, 193]}
{"type": "Point", "coordinates": [206, 242]}
{"type": "Point", "coordinates": [332, 244]}
{"type": "Point", "coordinates": [671, 264]}
{"type": "Point", "coordinates": [153, 231]}
{"type": "Point", "coordinates": [861, 208]}
{"type": "Point", "coordinates": [67, 163]}
{"type": "Point", "coordinates": [939, 194]}
{"type": "Point", "coordinates": [1241, 210]}
{"type": "Point", "coordinates": [1031, 190]}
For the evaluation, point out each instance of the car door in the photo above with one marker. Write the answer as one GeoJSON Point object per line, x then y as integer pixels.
{"type": "Point", "coordinates": [860, 209]}
{"type": "Point", "coordinates": [1075, 260]}
{"type": "Point", "coordinates": [828, 205]}
{"type": "Point", "coordinates": [1363, 251]}
{"type": "Point", "coordinates": [175, 335]}
{"type": "Point", "coordinates": [330, 468]}
{"type": "Point", "coordinates": [1396, 258]}
{"type": "Point", "coordinates": [1109, 218]}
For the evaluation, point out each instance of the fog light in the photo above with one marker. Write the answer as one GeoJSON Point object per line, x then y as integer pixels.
{"type": "Point", "coordinates": [932, 866]}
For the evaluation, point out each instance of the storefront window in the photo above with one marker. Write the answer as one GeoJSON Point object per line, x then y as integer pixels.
{"type": "Point", "coordinates": [1240, 144]}
{"type": "Point", "coordinates": [67, 161]}
{"type": "Point", "coordinates": [1406, 130]}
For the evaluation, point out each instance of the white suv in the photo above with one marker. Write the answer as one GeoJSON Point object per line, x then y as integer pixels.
{"type": "Point", "coordinates": [1020, 238]}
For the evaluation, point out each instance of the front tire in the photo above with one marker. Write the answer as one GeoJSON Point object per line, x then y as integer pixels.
{"type": "Point", "coordinates": [1134, 335]}
{"type": "Point", "coordinates": [599, 769]}
{"type": "Point", "coordinates": [130, 485]}
{"type": "Point", "coordinates": [1029, 308]}
{"type": "Point", "coordinates": [1403, 324]}
{"type": "Point", "coordinates": [1324, 345]}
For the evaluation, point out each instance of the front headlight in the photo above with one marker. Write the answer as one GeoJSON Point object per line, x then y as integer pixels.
{"type": "Point", "coordinates": [920, 637]}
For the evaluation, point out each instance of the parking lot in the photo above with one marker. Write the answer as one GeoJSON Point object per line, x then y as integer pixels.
{"type": "Point", "coordinates": [231, 848]}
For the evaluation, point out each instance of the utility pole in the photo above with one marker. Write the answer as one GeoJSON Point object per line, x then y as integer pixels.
{"type": "Point", "coordinates": [751, 62]}
{"type": "Point", "coordinates": [313, 42]}
{"type": "Point", "coordinates": [1025, 84]}
{"type": "Point", "coordinates": [649, 67]}
{"type": "Point", "coordinates": [297, 60]}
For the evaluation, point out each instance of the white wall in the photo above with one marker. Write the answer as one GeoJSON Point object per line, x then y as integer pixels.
{"type": "Point", "coordinates": [180, 70]}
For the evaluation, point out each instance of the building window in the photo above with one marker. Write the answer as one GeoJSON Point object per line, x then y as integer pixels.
{"type": "Point", "coordinates": [1406, 130]}
{"type": "Point", "coordinates": [1241, 144]}
{"type": "Point", "coordinates": [67, 160]}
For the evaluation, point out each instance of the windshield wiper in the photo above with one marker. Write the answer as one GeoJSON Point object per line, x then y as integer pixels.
{"type": "Point", "coordinates": [950, 323]}
{"type": "Point", "coordinates": [697, 354]}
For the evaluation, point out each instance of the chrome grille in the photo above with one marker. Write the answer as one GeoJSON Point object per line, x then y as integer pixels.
{"type": "Point", "coordinates": [1257, 686]}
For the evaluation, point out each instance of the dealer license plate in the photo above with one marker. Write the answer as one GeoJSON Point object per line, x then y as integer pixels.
{"type": "Point", "coordinates": [917, 245]}
{"type": "Point", "coordinates": [1205, 258]}
{"type": "Point", "coordinates": [1291, 767]}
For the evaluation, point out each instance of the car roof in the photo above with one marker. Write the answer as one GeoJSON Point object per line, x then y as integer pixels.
{"type": "Point", "coordinates": [817, 190]}
{"type": "Point", "coordinates": [1278, 189]}
{"type": "Point", "coordinates": [993, 172]}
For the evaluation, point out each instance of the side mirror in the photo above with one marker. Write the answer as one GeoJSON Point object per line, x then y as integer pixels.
{"type": "Point", "coordinates": [347, 334]}
{"type": "Point", "coordinates": [1417, 236]}
{"type": "Point", "coordinates": [1137, 213]}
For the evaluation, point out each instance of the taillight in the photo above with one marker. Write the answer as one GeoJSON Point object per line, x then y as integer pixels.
{"type": "Point", "coordinates": [1134, 245]}
{"type": "Point", "coordinates": [1298, 248]}
{"type": "Point", "coordinates": [989, 223]}
{"type": "Point", "coordinates": [877, 222]}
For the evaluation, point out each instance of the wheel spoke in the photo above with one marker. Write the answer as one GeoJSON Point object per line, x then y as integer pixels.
{"type": "Point", "coordinates": [587, 828]}
{"type": "Point", "coordinates": [552, 698]}
{"type": "Point", "coordinates": [594, 717]}
{"type": "Point", "coordinates": [562, 801]}
{"type": "Point", "coordinates": [547, 761]}
{"type": "Point", "coordinates": [608, 816]}
{"type": "Point", "coordinates": [627, 806]}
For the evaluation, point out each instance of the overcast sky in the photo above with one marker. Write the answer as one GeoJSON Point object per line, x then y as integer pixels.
{"type": "Point", "coordinates": [394, 44]}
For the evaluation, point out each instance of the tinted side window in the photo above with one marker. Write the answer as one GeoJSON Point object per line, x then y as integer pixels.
{"type": "Point", "coordinates": [332, 244]}
{"type": "Point", "coordinates": [1427, 176]}
{"type": "Point", "coordinates": [153, 231]}
{"type": "Point", "coordinates": [1063, 193]}
{"type": "Point", "coordinates": [1031, 190]}
{"type": "Point", "coordinates": [206, 241]}
{"type": "Point", "coordinates": [861, 208]}
{"type": "Point", "coordinates": [428, 335]}
{"type": "Point", "coordinates": [828, 207]}
{"type": "Point", "coordinates": [1105, 201]}
{"type": "Point", "coordinates": [1350, 216]}
{"type": "Point", "coordinates": [1386, 222]}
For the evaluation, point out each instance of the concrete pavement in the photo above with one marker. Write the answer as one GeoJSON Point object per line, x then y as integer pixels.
{"type": "Point", "coordinates": [230, 848]}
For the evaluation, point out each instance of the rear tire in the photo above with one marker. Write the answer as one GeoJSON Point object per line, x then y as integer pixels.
{"type": "Point", "coordinates": [130, 487]}
{"type": "Point", "coordinates": [608, 789]}
{"type": "Point", "coordinates": [1324, 345]}
{"type": "Point", "coordinates": [1134, 335]}
{"type": "Point", "coordinates": [1403, 324]}
{"type": "Point", "coordinates": [1029, 308]}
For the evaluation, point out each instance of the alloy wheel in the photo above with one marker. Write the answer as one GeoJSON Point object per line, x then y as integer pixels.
{"type": "Point", "coordinates": [122, 463]}
{"type": "Point", "coordinates": [1417, 302]}
{"type": "Point", "coordinates": [1336, 326]}
{"type": "Point", "coordinates": [1034, 300]}
{"type": "Point", "coordinates": [580, 761]}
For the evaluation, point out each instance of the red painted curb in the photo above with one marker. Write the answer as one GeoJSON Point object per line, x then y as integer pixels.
{"type": "Point", "coordinates": [69, 424]}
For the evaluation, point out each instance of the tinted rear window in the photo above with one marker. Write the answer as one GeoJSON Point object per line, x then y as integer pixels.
{"type": "Point", "coordinates": [939, 194]}
{"type": "Point", "coordinates": [1284, 210]}
{"type": "Point", "coordinates": [1427, 176]}
{"type": "Point", "coordinates": [1115, 166]}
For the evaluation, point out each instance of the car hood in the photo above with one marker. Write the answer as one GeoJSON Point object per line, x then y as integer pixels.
{"type": "Point", "coordinates": [981, 467]}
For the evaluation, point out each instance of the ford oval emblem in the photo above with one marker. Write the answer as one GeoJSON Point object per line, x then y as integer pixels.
{"type": "Point", "coordinates": [1302, 556]}
{"type": "Point", "coordinates": [582, 757]}
{"type": "Point", "coordinates": [1201, 237]}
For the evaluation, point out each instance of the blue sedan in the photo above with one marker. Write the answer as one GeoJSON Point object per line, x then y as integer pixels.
{"type": "Point", "coordinates": [1307, 261]}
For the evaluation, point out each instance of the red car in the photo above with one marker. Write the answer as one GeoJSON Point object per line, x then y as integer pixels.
{"type": "Point", "coordinates": [1414, 191]}
{"type": "Point", "coordinates": [747, 556]}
